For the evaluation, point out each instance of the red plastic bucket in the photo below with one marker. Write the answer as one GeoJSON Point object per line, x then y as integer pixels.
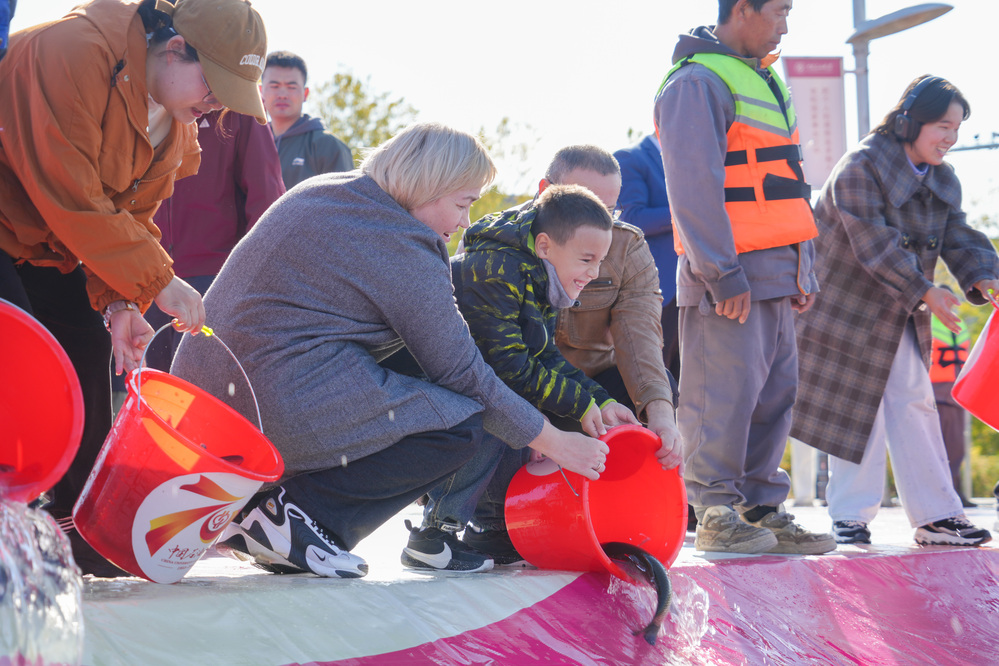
{"type": "Point", "coordinates": [977, 387]}
{"type": "Point", "coordinates": [41, 407]}
{"type": "Point", "coordinates": [559, 521]}
{"type": "Point", "coordinates": [177, 467]}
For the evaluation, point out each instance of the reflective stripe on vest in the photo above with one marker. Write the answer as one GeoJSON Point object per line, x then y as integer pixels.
{"type": "Point", "coordinates": [766, 196]}
{"type": "Point", "coordinates": [950, 351]}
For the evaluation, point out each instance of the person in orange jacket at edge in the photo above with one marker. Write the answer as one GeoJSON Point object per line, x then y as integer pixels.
{"type": "Point", "coordinates": [98, 112]}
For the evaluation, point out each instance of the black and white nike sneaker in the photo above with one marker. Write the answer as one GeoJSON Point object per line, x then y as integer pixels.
{"type": "Point", "coordinates": [436, 549]}
{"type": "Point", "coordinates": [279, 537]}
{"type": "Point", "coordinates": [956, 531]}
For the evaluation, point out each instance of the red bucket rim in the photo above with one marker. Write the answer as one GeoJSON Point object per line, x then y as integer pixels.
{"type": "Point", "coordinates": [159, 375]}
{"type": "Point", "coordinates": [27, 491]}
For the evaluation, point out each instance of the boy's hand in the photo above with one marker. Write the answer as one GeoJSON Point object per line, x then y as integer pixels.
{"type": "Point", "coordinates": [593, 421]}
{"type": "Point", "coordinates": [663, 422]}
{"type": "Point", "coordinates": [615, 414]}
{"type": "Point", "coordinates": [573, 451]}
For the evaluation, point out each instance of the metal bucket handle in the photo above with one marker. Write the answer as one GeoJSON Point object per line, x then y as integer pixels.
{"type": "Point", "coordinates": [209, 333]}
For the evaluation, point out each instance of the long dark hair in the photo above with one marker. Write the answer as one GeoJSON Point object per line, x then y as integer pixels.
{"type": "Point", "coordinates": [929, 106]}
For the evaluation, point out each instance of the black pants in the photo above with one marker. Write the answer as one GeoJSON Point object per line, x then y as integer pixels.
{"type": "Point", "coordinates": [60, 303]}
{"type": "Point", "coordinates": [352, 502]}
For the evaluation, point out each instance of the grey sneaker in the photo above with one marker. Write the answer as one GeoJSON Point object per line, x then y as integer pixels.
{"type": "Point", "coordinates": [793, 539]}
{"type": "Point", "coordinates": [721, 530]}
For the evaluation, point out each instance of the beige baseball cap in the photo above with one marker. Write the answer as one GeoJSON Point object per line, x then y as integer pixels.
{"type": "Point", "coordinates": [232, 46]}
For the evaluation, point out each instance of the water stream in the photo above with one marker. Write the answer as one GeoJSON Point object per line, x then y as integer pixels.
{"type": "Point", "coordinates": [41, 614]}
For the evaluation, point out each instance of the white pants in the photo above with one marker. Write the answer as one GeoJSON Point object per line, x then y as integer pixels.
{"type": "Point", "coordinates": [804, 472]}
{"type": "Point", "coordinates": [908, 426]}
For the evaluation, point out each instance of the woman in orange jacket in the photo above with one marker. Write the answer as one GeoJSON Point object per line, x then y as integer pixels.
{"type": "Point", "coordinates": [97, 114]}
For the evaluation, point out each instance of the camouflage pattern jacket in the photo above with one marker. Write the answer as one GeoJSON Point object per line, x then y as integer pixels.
{"type": "Point", "coordinates": [502, 291]}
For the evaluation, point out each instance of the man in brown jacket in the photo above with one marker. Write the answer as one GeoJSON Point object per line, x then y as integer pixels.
{"type": "Point", "coordinates": [615, 334]}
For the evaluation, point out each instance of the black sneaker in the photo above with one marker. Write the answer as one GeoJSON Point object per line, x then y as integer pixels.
{"type": "Point", "coordinates": [279, 537]}
{"type": "Point", "coordinates": [440, 550]}
{"type": "Point", "coordinates": [851, 531]}
{"type": "Point", "coordinates": [956, 531]}
{"type": "Point", "coordinates": [494, 543]}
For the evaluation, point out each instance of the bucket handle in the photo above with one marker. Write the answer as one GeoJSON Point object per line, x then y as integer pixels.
{"type": "Point", "coordinates": [209, 333]}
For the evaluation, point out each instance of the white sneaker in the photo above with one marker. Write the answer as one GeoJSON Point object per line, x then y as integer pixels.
{"type": "Point", "coordinates": [279, 537]}
{"type": "Point", "coordinates": [956, 531]}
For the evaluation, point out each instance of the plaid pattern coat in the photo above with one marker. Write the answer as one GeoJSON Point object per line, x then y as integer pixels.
{"type": "Point", "coordinates": [881, 231]}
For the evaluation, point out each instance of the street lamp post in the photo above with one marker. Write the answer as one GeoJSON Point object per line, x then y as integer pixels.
{"type": "Point", "coordinates": [865, 31]}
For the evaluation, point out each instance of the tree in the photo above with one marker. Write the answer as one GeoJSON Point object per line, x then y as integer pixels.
{"type": "Point", "coordinates": [359, 117]}
{"type": "Point", "coordinates": [363, 119]}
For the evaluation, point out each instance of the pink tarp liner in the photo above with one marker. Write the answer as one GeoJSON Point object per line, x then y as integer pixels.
{"type": "Point", "coordinates": [936, 606]}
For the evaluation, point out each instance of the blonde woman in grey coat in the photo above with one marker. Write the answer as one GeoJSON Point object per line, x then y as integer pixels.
{"type": "Point", "coordinates": [888, 212]}
{"type": "Point", "coordinates": [338, 274]}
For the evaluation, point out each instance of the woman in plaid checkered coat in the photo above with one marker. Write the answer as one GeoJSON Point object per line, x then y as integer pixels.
{"type": "Point", "coordinates": [888, 212]}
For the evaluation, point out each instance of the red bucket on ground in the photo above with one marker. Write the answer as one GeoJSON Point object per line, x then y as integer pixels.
{"type": "Point", "coordinates": [177, 467]}
{"type": "Point", "coordinates": [976, 387]}
{"type": "Point", "coordinates": [41, 407]}
{"type": "Point", "coordinates": [560, 522]}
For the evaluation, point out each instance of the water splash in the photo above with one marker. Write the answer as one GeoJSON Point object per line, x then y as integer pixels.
{"type": "Point", "coordinates": [688, 616]}
{"type": "Point", "coordinates": [41, 614]}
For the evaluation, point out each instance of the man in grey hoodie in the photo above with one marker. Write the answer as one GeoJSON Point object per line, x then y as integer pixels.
{"type": "Point", "coordinates": [304, 146]}
{"type": "Point", "coordinates": [743, 234]}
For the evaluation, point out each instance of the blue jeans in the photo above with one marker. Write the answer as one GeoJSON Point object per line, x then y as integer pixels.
{"type": "Point", "coordinates": [477, 490]}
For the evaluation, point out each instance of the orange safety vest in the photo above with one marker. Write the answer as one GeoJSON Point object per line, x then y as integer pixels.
{"type": "Point", "coordinates": [950, 351]}
{"type": "Point", "coordinates": [766, 196]}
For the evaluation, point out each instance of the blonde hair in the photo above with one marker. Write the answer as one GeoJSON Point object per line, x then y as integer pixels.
{"type": "Point", "coordinates": [425, 161]}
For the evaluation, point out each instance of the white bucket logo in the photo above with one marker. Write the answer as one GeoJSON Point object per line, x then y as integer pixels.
{"type": "Point", "coordinates": [181, 518]}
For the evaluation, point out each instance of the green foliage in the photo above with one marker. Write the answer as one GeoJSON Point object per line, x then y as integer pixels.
{"type": "Point", "coordinates": [359, 117]}
{"type": "Point", "coordinates": [491, 202]}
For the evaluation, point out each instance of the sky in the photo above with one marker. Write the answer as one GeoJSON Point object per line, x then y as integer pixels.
{"type": "Point", "coordinates": [586, 71]}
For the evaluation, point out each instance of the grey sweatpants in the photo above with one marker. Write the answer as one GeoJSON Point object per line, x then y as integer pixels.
{"type": "Point", "coordinates": [737, 387]}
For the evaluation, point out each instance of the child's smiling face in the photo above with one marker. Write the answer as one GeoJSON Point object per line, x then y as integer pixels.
{"type": "Point", "coordinates": [577, 261]}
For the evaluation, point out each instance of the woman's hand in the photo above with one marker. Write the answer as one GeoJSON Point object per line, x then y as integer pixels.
{"type": "Point", "coordinates": [989, 289]}
{"type": "Point", "coordinates": [183, 302]}
{"type": "Point", "coordinates": [130, 333]}
{"type": "Point", "coordinates": [573, 451]}
{"type": "Point", "coordinates": [941, 303]}
{"type": "Point", "coordinates": [615, 414]}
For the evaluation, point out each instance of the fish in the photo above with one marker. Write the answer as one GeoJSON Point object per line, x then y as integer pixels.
{"type": "Point", "coordinates": [655, 573]}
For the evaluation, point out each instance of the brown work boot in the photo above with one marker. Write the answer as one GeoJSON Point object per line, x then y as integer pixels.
{"type": "Point", "coordinates": [793, 539]}
{"type": "Point", "coordinates": [721, 530]}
